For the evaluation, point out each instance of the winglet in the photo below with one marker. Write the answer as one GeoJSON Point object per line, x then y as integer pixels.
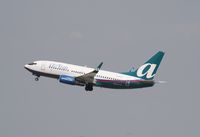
{"type": "Point", "coordinates": [99, 67]}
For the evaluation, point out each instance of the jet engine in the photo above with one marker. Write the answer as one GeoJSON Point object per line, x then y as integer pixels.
{"type": "Point", "coordinates": [67, 79]}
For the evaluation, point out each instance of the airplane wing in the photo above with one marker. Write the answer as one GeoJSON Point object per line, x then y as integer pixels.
{"type": "Point", "coordinates": [89, 77]}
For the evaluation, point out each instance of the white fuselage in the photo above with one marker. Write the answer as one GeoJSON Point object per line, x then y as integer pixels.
{"type": "Point", "coordinates": [58, 68]}
{"type": "Point", "coordinates": [85, 76]}
{"type": "Point", "coordinates": [89, 77]}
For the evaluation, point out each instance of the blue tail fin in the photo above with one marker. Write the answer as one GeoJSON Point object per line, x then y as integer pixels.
{"type": "Point", "coordinates": [149, 69]}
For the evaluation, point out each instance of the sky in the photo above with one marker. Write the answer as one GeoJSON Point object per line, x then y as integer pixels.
{"type": "Point", "coordinates": [121, 33]}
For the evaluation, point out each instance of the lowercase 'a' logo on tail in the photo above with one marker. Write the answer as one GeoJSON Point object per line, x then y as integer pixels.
{"type": "Point", "coordinates": [146, 70]}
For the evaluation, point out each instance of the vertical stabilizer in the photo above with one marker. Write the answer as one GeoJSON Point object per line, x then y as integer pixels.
{"type": "Point", "coordinates": [148, 70]}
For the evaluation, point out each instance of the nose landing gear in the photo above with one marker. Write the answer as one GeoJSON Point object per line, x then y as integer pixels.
{"type": "Point", "coordinates": [37, 79]}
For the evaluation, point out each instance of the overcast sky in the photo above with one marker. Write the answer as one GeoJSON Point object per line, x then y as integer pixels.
{"type": "Point", "coordinates": [123, 34]}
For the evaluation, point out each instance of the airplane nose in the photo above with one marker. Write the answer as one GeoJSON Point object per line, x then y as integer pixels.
{"type": "Point", "coordinates": [26, 66]}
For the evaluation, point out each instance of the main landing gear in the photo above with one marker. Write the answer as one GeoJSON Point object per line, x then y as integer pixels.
{"type": "Point", "coordinates": [88, 87]}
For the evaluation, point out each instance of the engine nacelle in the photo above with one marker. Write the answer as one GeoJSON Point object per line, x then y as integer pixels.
{"type": "Point", "coordinates": [67, 79]}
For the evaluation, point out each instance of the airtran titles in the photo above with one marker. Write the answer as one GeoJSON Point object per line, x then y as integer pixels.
{"type": "Point", "coordinates": [58, 67]}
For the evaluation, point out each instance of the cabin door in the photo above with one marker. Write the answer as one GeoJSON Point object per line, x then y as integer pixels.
{"type": "Point", "coordinates": [43, 67]}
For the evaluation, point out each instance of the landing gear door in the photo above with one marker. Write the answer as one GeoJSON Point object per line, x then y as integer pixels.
{"type": "Point", "coordinates": [43, 67]}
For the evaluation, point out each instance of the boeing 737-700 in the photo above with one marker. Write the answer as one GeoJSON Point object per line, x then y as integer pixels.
{"type": "Point", "coordinates": [90, 77]}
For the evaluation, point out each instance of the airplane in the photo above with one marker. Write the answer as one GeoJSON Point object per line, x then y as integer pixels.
{"type": "Point", "coordinates": [90, 77]}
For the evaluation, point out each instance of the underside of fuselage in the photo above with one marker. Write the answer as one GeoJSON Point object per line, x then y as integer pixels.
{"type": "Point", "coordinates": [124, 84]}
{"type": "Point", "coordinates": [38, 74]}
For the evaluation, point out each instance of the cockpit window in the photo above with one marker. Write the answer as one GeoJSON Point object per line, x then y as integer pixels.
{"type": "Point", "coordinates": [32, 64]}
